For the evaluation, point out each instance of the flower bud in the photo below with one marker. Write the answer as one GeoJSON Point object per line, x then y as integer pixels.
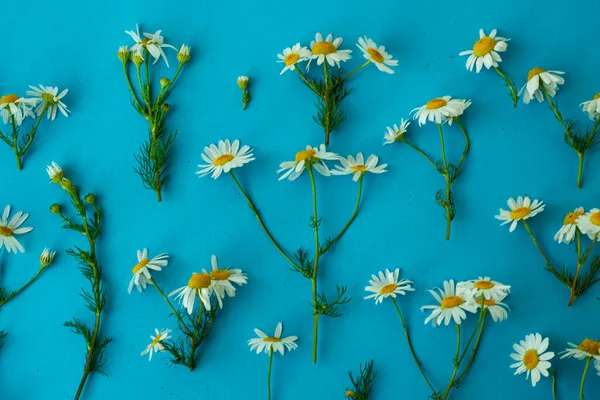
{"type": "Point", "coordinates": [165, 108]}
{"type": "Point", "coordinates": [184, 54]}
{"type": "Point", "coordinates": [137, 59]}
{"type": "Point", "coordinates": [66, 184]}
{"type": "Point", "coordinates": [90, 199]}
{"type": "Point", "coordinates": [55, 172]}
{"type": "Point", "coordinates": [123, 54]}
{"type": "Point", "coordinates": [164, 82]}
{"type": "Point", "coordinates": [47, 257]}
{"type": "Point", "coordinates": [242, 82]}
{"type": "Point", "coordinates": [55, 209]}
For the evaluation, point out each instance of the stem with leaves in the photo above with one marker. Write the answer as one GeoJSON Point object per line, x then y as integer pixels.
{"type": "Point", "coordinates": [18, 144]}
{"type": "Point", "coordinates": [7, 295]}
{"type": "Point", "coordinates": [361, 385]}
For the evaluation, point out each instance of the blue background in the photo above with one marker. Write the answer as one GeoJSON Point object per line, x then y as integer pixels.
{"type": "Point", "coordinates": [514, 152]}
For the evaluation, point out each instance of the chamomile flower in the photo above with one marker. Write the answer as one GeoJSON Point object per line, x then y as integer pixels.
{"type": "Point", "coordinates": [55, 172]}
{"type": "Point", "coordinates": [395, 133]}
{"type": "Point", "coordinates": [272, 344]}
{"type": "Point", "coordinates": [592, 107]}
{"type": "Point", "coordinates": [587, 348]}
{"type": "Point", "coordinates": [520, 210]}
{"type": "Point", "coordinates": [19, 108]}
{"type": "Point", "coordinates": [224, 157]}
{"type": "Point", "coordinates": [485, 51]}
{"type": "Point", "coordinates": [200, 285]}
{"type": "Point", "coordinates": [358, 167]}
{"type": "Point", "coordinates": [486, 288]}
{"type": "Point", "coordinates": [292, 56]}
{"type": "Point", "coordinates": [589, 223]}
{"type": "Point", "coordinates": [452, 305]}
{"type": "Point", "coordinates": [152, 42]}
{"type": "Point", "coordinates": [377, 55]}
{"type": "Point", "coordinates": [141, 271]}
{"type": "Point", "coordinates": [10, 228]}
{"type": "Point", "coordinates": [327, 50]}
{"type": "Point", "coordinates": [223, 280]}
{"type": "Point", "coordinates": [313, 156]}
{"type": "Point", "coordinates": [439, 110]}
{"type": "Point", "coordinates": [461, 106]}
{"type": "Point", "coordinates": [566, 233]}
{"type": "Point", "coordinates": [539, 81]}
{"type": "Point", "coordinates": [387, 285]}
{"type": "Point", "coordinates": [156, 346]}
{"type": "Point", "coordinates": [532, 357]}
{"type": "Point", "coordinates": [51, 100]}
{"type": "Point", "coordinates": [497, 309]}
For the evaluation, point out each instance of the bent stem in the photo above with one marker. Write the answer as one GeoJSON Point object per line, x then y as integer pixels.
{"type": "Point", "coordinates": [585, 371]}
{"type": "Point", "coordinates": [316, 223]}
{"type": "Point", "coordinates": [483, 316]}
{"type": "Point", "coordinates": [175, 312]}
{"type": "Point", "coordinates": [550, 267]}
{"type": "Point", "coordinates": [269, 374]}
{"type": "Point", "coordinates": [25, 286]}
{"type": "Point", "coordinates": [513, 90]}
{"type": "Point", "coordinates": [446, 174]}
{"type": "Point", "coordinates": [456, 364]}
{"type": "Point", "coordinates": [421, 152]}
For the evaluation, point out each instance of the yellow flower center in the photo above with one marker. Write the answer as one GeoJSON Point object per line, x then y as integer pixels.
{"type": "Point", "coordinates": [520, 213]}
{"type": "Point", "coordinates": [375, 55]}
{"type": "Point", "coordinates": [596, 96]}
{"type": "Point", "coordinates": [484, 46]}
{"type": "Point", "coordinates": [140, 265]}
{"type": "Point", "coordinates": [323, 48]}
{"type": "Point", "coordinates": [595, 218]}
{"type": "Point", "coordinates": [272, 339]}
{"type": "Point", "coordinates": [199, 281]}
{"type": "Point", "coordinates": [359, 167]}
{"type": "Point", "coordinates": [350, 393]}
{"type": "Point", "coordinates": [534, 72]}
{"type": "Point", "coordinates": [291, 59]}
{"type": "Point", "coordinates": [6, 231]}
{"type": "Point", "coordinates": [590, 346]}
{"type": "Point", "coordinates": [483, 285]}
{"type": "Point", "coordinates": [156, 340]}
{"type": "Point", "coordinates": [220, 275]}
{"type": "Point", "coordinates": [387, 289]}
{"type": "Point", "coordinates": [222, 160]}
{"type": "Point", "coordinates": [571, 217]}
{"type": "Point", "coordinates": [451, 301]}
{"type": "Point", "coordinates": [531, 359]}
{"type": "Point", "coordinates": [435, 104]}
{"type": "Point", "coordinates": [9, 98]}
{"type": "Point", "coordinates": [489, 302]}
{"type": "Point", "coordinates": [305, 155]}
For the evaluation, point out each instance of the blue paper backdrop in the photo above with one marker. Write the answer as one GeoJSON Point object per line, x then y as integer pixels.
{"type": "Point", "coordinates": [514, 152]}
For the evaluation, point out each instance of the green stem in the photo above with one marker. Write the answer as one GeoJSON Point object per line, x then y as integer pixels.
{"type": "Point", "coordinates": [513, 90]}
{"type": "Point", "coordinates": [474, 351]}
{"type": "Point", "coordinates": [580, 170]}
{"type": "Point", "coordinates": [451, 383]}
{"type": "Point", "coordinates": [316, 263]}
{"type": "Point", "coordinates": [306, 82]}
{"type": "Point", "coordinates": [447, 177]}
{"type": "Point", "coordinates": [25, 286]}
{"type": "Point", "coordinates": [175, 312]}
{"type": "Point", "coordinates": [553, 384]}
{"type": "Point", "coordinates": [269, 374]}
{"type": "Point", "coordinates": [421, 152]}
{"type": "Point", "coordinates": [585, 371]}
{"type": "Point", "coordinates": [537, 245]}
{"type": "Point", "coordinates": [355, 71]}
{"type": "Point", "coordinates": [467, 146]}
{"type": "Point", "coordinates": [578, 249]}
{"type": "Point", "coordinates": [326, 99]}
{"type": "Point", "coordinates": [131, 90]}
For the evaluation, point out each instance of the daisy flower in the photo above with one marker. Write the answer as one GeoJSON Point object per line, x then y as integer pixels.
{"type": "Point", "coordinates": [539, 81]}
{"type": "Point", "coordinates": [486, 288]}
{"type": "Point", "coordinates": [223, 280]}
{"type": "Point", "coordinates": [292, 56]}
{"type": "Point", "coordinates": [485, 51]}
{"type": "Point", "coordinates": [587, 348]}
{"type": "Point", "coordinates": [520, 210]}
{"type": "Point", "coordinates": [312, 156]}
{"type": "Point", "coordinates": [200, 285]}
{"type": "Point", "coordinates": [592, 107]}
{"type": "Point", "coordinates": [462, 105]}
{"type": "Point", "coordinates": [52, 100]}
{"type": "Point", "coordinates": [8, 230]}
{"type": "Point", "coordinates": [532, 357]}
{"type": "Point", "coordinates": [387, 285]}
{"type": "Point", "coordinates": [439, 110]}
{"type": "Point", "coordinates": [358, 167]}
{"type": "Point", "coordinates": [327, 50]}
{"type": "Point", "coordinates": [272, 344]}
{"type": "Point", "coordinates": [141, 271]}
{"type": "Point", "coordinates": [377, 55]}
{"type": "Point", "coordinates": [152, 42]}
{"type": "Point", "coordinates": [566, 233]}
{"type": "Point", "coordinates": [589, 223]}
{"type": "Point", "coordinates": [12, 105]}
{"type": "Point", "coordinates": [497, 309]}
{"type": "Point", "coordinates": [224, 157]}
{"type": "Point", "coordinates": [156, 346]}
{"type": "Point", "coordinates": [55, 172]}
{"type": "Point", "coordinates": [395, 133]}
{"type": "Point", "coordinates": [452, 305]}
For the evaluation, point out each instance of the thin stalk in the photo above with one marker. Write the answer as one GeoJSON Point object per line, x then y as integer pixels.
{"type": "Point", "coordinates": [32, 134]}
{"type": "Point", "coordinates": [548, 264]}
{"type": "Point", "coordinates": [131, 90]}
{"type": "Point", "coordinates": [474, 351]}
{"type": "Point", "coordinates": [421, 152]}
{"type": "Point", "coordinates": [15, 141]}
{"type": "Point", "coordinates": [175, 312]}
{"type": "Point", "coordinates": [513, 90]}
{"type": "Point", "coordinates": [475, 330]}
{"type": "Point", "coordinates": [585, 371]}
{"type": "Point", "coordinates": [553, 384]}
{"type": "Point", "coordinates": [25, 286]}
{"type": "Point", "coordinates": [580, 170]}
{"type": "Point", "coordinates": [555, 110]}
{"type": "Point", "coordinates": [269, 374]}
{"type": "Point", "coordinates": [326, 99]}
{"type": "Point", "coordinates": [451, 383]}
{"type": "Point", "coordinates": [467, 145]}
{"type": "Point", "coordinates": [355, 71]}
{"type": "Point", "coordinates": [578, 249]}
{"type": "Point", "coordinates": [306, 82]}
{"type": "Point", "coordinates": [447, 177]}
{"type": "Point", "coordinates": [316, 263]}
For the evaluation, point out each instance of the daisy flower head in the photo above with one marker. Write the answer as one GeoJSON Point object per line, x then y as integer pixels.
{"type": "Point", "coordinates": [327, 50]}
{"type": "Point", "coordinates": [223, 280]}
{"type": "Point", "coordinates": [47, 257]}
{"type": "Point", "coordinates": [272, 344]}
{"type": "Point", "coordinates": [453, 302]}
{"type": "Point", "coordinates": [153, 43]}
{"type": "Point", "coordinates": [292, 56]}
{"type": "Point", "coordinates": [539, 81]}
{"type": "Point", "coordinates": [497, 309]}
{"type": "Point", "coordinates": [10, 228]}
{"type": "Point", "coordinates": [589, 223]}
{"type": "Point", "coordinates": [592, 107]}
{"type": "Point", "coordinates": [55, 172]}
{"type": "Point", "coordinates": [566, 233]}
{"type": "Point", "coordinates": [387, 285]}
{"type": "Point", "coordinates": [395, 133]}
{"type": "Point", "coordinates": [51, 100]}
{"type": "Point", "coordinates": [156, 346]}
{"type": "Point", "coordinates": [587, 348]}
{"type": "Point", "coordinates": [485, 51]}
{"type": "Point", "coordinates": [200, 285]}
{"type": "Point", "coordinates": [223, 157]}
{"type": "Point", "coordinates": [486, 288]}
{"type": "Point", "coordinates": [532, 357]}
{"type": "Point", "coordinates": [377, 55]}
{"type": "Point", "coordinates": [358, 167]}
{"type": "Point", "coordinates": [520, 210]}
{"type": "Point", "coordinates": [462, 105]}
{"type": "Point", "coordinates": [439, 110]}
{"type": "Point", "coordinates": [312, 156]}
{"type": "Point", "coordinates": [19, 108]}
{"type": "Point", "coordinates": [141, 271]}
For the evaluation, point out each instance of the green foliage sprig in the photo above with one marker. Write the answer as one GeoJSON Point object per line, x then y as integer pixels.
{"type": "Point", "coordinates": [361, 385]}
{"type": "Point", "coordinates": [2, 337]}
